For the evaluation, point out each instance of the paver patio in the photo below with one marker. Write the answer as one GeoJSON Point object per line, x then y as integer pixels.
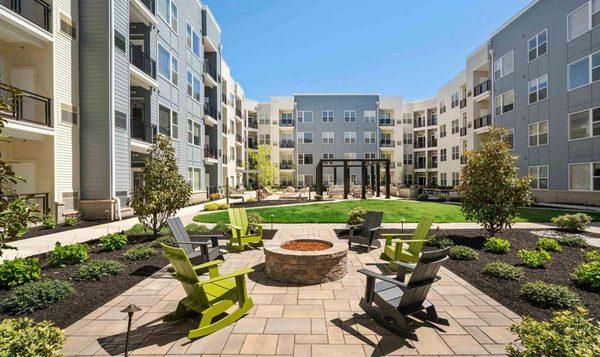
{"type": "Point", "coordinates": [319, 320]}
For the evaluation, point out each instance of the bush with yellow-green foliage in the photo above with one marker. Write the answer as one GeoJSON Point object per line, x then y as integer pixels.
{"type": "Point", "coordinates": [25, 337]}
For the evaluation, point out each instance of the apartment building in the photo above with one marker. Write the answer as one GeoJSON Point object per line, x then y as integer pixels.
{"type": "Point", "coordinates": [39, 51]}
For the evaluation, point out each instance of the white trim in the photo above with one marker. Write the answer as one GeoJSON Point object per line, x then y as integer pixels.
{"type": "Point", "coordinates": [537, 169]}
{"type": "Point", "coordinates": [537, 126]}
{"type": "Point", "coordinates": [537, 89]}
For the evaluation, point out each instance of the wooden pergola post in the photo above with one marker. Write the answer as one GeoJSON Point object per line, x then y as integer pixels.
{"type": "Point", "coordinates": [363, 172]}
{"type": "Point", "coordinates": [387, 179]}
{"type": "Point", "coordinates": [346, 180]}
{"type": "Point", "coordinates": [335, 175]}
{"type": "Point", "coordinates": [378, 173]}
{"type": "Point", "coordinates": [320, 178]}
{"type": "Point", "coordinates": [372, 177]}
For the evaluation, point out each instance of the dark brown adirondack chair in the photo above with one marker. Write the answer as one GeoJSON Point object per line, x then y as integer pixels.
{"type": "Point", "coordinates": [396, 299]}
{"type": "Point", "coordinates": [209, 244]}
{"type": "Point", "coordinates": [367, 233]}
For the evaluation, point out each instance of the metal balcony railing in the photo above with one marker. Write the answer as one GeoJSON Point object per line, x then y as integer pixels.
{"type": "Point", "coordinates": [420, 143]}
{"type": "Point", "coordinates": [225, 159]}
{"type": "Point", "coordinates": [463, 131]}
{"type": "Point", "coordinates": [238, 112]}
{"type": "Point", "coordinates": [432, 165]}
{"type": "Point", "coordinates": [210, 110]}
{"type": "Point", "coordinates": [286, 143]}
{"type": "Point", "coordinates": [224, 98]}
{"type": "Point", "coordinates": [142, 61]}
{"type": "Point", "coordinates": [386, 122]}
{"type": "Point", "coordinates": [36, 11]}
{"type": "Point", "coordinates": [432, 142]}
{"type": "Point", "coordinates": [286, 165]}
{"type": "Point", "coordinates": [253, 123]}
{"type": "Point", "coordinates": [432, 121]}
{"type": "Point", "coordinates": [463, 103]}
{"type": "Point", "coordinates": [208, 69]}
{"type": "Point", "coordinates": [211, 152]}
{"type": "Point", "coordinates": [252, 144]}
{"type": "Point", "coordinates": [420, 123]}
{"type": "Point", "coordinates": [224, 128]}
{"type": "Point", "coordinates": [387, 143]}
{"type": "Point", "coordinates": [142, 130]}
{"type": "Point", "coordinates": [239, 163]}
{"type": "Point", "coordinates": [482, 121]}
{"type": "Point", "coordinates": [286, 122]}
{"type": "Point", "coordinates": [26, 106]}
{"type": "Point", "coordinates": [150, 5]}
{"type": "Point", "coordinates": [238, 138]}
{"type": "Point", "coordinates": [481, 88]}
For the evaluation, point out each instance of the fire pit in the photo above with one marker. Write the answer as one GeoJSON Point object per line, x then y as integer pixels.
{"type": "Point", "coordinates": [305, 261]}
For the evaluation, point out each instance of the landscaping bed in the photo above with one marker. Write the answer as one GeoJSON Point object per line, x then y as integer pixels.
{"type": "Point", "coordinates": [60, 227]}
{"type": "Point", "coordinates": [270, 203]}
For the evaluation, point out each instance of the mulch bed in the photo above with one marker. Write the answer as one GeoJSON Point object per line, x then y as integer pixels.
{"type": "Point", "coordinates": [270, 203]}
{"type": "Point", "coordinates": [60, 227]}
{"type": "Point", "coordinates": [558, 270]}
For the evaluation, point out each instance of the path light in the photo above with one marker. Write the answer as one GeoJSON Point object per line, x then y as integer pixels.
{"type": "Point", "coordinates": [129, 310]}
{"type": "Point", "coordinates": [402, 220]}
{"type": "Point", "coordinates": [272, 220]}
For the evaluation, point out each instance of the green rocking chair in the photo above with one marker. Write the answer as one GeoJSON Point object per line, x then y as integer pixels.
{"type": "Point", "coordinates": [209, 298]}
{"type": "Point", "coordinates": [241, 233]}
{"type": "Point", "coordinates": [394, 249]}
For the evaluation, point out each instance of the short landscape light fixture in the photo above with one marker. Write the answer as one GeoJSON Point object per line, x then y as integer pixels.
{"type": "Point", "coordinates": [272, 215]}
{"type": "Point", "coordinates": [402, 220]}
{"type": "Point", "coordinates": [130, 310]}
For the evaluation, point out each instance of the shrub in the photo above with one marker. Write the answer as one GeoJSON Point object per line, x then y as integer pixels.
{"type": "Point", "coordinates": [166, 240]}
{"type": "Point", "coordinates": [423, 197]}
{"type": "Point", "coordinates": [140, 229]}
{"type": "Point", "coordinates": [49, 222]}
{"type": "Point", "coordinates": [36, 295]}
{"type": "Point", "coordinates": [572, 241]}
{"type": "Point", "coordinates": [568, 333]}
{"type": "Point", "coordinates": [438, 241]}
{"type": "Point", "coordinates": [214, 196]}
{"type": "Point", "coordinates": [461, 252]}
{"type": "Point", "coordinates": [139, 252]}
{"type": "Point", "coordinates": [251, 200]}
{"type": "Point", "coordinates": [497, 245]}
{"type": "Point", "coordinates": [211, 206]}
{"type": "Point", "coordinates": [502, 270]}
{"type": "Point", "coordinates": [593, 255]}
{"type": "Point", "coordinates": [223, 205]}
{"type": "Point", "coordinates": [356, 216]}
{"type": "Point", "coordinates": [548, 244]}
{"type": "Point", "coordinates": [63, 255]}
{"type": "Point", "coordinates": [588, 275]}
{"type": "Point", "coordinates": [197, 228]}
{"type": "Point", "coordinates": [19, 271]}
{"type": "Point", "coordinates": [26, 337]}
{"type": "Point", "coordinates": [534, 258]}
{"type": "Point", "coordinates": [548, 295]}
{"type": "Point", "coordinates": [115, 241]}
{"type": "Point", "coordinates": [97, 269]}
{"type": "Point", "coordinates": [255, 217]}
{"type": "Point", "coordinates": [318, 198]}
{"type": "Point", "coordinates": [70, 221]}
{"type": "Point", "coordinates": [573, 222]}
{"type": "Point", "coordinates": [221, 227]}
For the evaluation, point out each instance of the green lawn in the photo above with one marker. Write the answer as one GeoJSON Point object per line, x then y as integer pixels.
{"type": "Point", "coordinates": [394, 211]}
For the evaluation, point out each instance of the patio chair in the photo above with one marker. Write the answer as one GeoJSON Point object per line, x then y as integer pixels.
{"type": "Point", "coordinates": [209, 244]}
{"type": "Point", "coordinates": [241, 230]}
{"type": "Point", "coordinates": [209, 298]}
{"type": "Point", "coordinates": [395, 299]}
{"type": "Point", "coordinates": [394, 248]}
{"type": "Point", "coordinates": [367, 233]}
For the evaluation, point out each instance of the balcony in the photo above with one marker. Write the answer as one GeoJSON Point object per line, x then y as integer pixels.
{"type": "Point", "coordinates": [238, 138]}
{"type": "Point", "coordinates": [239, 163]}
{"type": "Point", "coordinates": [386, 122]}
{"type": "Point", "coordinates": [287, 122]}
{"type": "Point", "coordinates": [432, 121]}
{"type": "Point", "coordinates": [432, 143]}
{"type": "Point", "coordinates": [420, 123]}
{"type": "Point", "coordinates": [225, 159]}
{"type": "Point", "coordinates": [210, 73]}
{"type": "Point", "coordinates": [432, 165]}
{"type": "Point", "coordinates": [238, 112]}
{"type": "Point", "coordinates": [210, 152]}
{"type": "Point", "coordinates": [481, 88]}
{"type": "Point", "coordinates": [26, 106]}
{"type": "Point", "coordinates": [482, 121]}
{"type": "Point", "coordinates": [252, 123]}
{"type": "Point", "coordinates": [286, 144]}
{"type": "Point", "coordinates": [286, 165]}
{"type": "Point", "coordinates": [252, 144]}
{"type": "Point", "coordinates": [142, 130]}
{"type": "Point", "coordinates": [224, 128]}
{"type": "Point", "coordinates": [463, 131]}
{"type": "Point", "coordinates": [210, 110]}
{"type": "Point", "coordinates": [150, 5]}
{"type": "Point", "coordinates": [420, 143]}
{"type": "Point", "coordinates": [463, 103]}
{"type": "Point", "coordinates": [36, 11]}
{"type": "Point", "coordinates": [142, 61]}
{"type": "Point", "coordinates": [224, 98]}
{"type": "Point", "coordinates": [387, 143]}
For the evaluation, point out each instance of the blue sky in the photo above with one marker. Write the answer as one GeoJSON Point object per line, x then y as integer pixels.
{"type": "Point", "coordinates": [391, 47]}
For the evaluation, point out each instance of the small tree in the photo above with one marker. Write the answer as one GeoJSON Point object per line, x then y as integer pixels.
{"type": "Point", "coordinates": [491, 188]}
{"type": "Point", "coordinates": [163, 190]}
{"type": "Point", "coordinates": [15, 213]}
{"type": "Point", "coordinates": [265, 169]}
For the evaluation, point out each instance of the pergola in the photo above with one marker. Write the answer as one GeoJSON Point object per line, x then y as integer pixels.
{"type": "Point", "coordinates": [374, 166]}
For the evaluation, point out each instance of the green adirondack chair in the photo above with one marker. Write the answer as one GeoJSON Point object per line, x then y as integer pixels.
{"type": "Point", "coordinates": [240, 230]}
{"type": "Point", "coordinates": [208, 298]}
{"type": "Point", "coordinates": [394, 249]}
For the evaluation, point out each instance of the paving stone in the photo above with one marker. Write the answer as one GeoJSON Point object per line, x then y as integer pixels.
{"type": "Point", "coordinates": [259, 344]}
{"type": "Point", "coordinates": [234, 343]}
{"type": "Point", "coordinates": [311, 339]}
{"type": "Point", "coordinates": [315, 294]}
{"type": "Point", "coordinates": [269, 311]}
{"type": "Point", "coordinates": [337, 350]}
{"type": "Point", "coordinates": [213, 343]}
{"type": "Point", "coordinates": [288, 326]}
{"type": "Point", "coordinates": [318, 326]}
{"type": "Point", "coordinates": [250, 325]}
{"type": "Point", "coordinates": [429, 342]}
{"type": "Point", "coordinates": [285, 299]}
{"type": "Point", "coordinates": [302, 351]}
{"type": "Point", "coordinates": [464, 344]}
{"type": "Point", "coordinates": [498, 334]}
{"type": "Point", "coordinates": [303, 311]}
{"type": "Point", "coordinates": [285, 345]}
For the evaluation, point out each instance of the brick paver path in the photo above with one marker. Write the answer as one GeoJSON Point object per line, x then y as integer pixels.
{"type": "Point", "coordinates": [319, 320]}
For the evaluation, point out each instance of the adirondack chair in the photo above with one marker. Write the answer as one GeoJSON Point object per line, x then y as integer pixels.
{"type": "Point", "coordinates": [396, 299]}
{"type": "Point", "coordinates": [241, 233]}
{"type": "Point", "coordinates": [367, 233]}
{"type": "Point", "coordinates": [209, 244]}
{"type": "Point", "coordinates": [209, 298]}
{"type": "Point", "coordinates": [394, 249]}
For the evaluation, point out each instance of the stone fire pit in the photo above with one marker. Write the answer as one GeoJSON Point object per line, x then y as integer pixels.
{"type": "Point", "coordinates": [305, 261]}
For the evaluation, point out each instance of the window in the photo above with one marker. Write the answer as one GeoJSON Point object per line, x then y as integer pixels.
{"type": "Point", "coordinates": [455, 124]}
{"type": "Point", "coordinates": [174, 125]}
{"type": "Point", "coordinates": [370, 116]}
{"type": "Point", "coordinates": [350, 137]}
{"type": "Point", "coordinates": [305, 117]}
{"type": "Point", "coordinates": [164, 10]}
{"type": "Point", "coordinates": [538, 89]}
{"type": "Point", "coordinates": [408, 179]}
{"type": "Point", "coordinates": [407, 118]}
{"type": "Point", "coordinates": [193, 40]}
{"type": "Point", "coordinates": [174, 16]}
{"type": "Point", "coordinates": [408, 159]}
{"type": "Point", "coordinates": [264, 119]}
{"type": "Point", "coordinates": [538, 133]}
{"type": "Point", "coordinates": [509, 137]}
{"type": "Point", "coordinates": [174, 70]}
{"type": "Point", "coordinates": [584, 124]}
{"type": "Point", "coordinates": [305, 159]}
{"type": "Point", "coordinates": [504, 65]}
{"type": "Point", "coordinates": [443, 154]}
{"type": "Point", "coordinates": [327, 116]}
{"type": "Point", "coordinates": [164, 120]}
{"type": "Point", "coordinates": [443, 131]}
{"type": "Point", "coordinates": [353, 179]}
{"type": "Point", "coordinates": [350, 155]}
{"type": "Point", "coordinates": [193, 133]}
{"type": "Point", "coordinates": [328, 179]}
{"type": "Point", "coordinates": [539, 177]}
{"type": "Point", "coordinates": [538, 45]}
{"type": "Point", "coordinates": [194, 175]}
{"type": "Point", "coordinates": [455, 178]}
{"type": "Point", "coordinates": [454, 100]}
{"type": "Point", "coordinates": [305, 137]}
{"type": "Point", "coordinates": [120, 41]}
{"type": "Point", "coordinates": [67, 26]}
{"type": "Point", "coordinates": [286, 119]}
{"type": "Point", "coordinates": [164, 62]}
{"type": "Point", "coordinates": [442, 106]}
{"type": "Point", "coordinates": [505, 102]}
{"type": "Point", "coordinates": [350, 116]}
{"type": "Point", "coordinates": [443, 179]}
{"type": "Point", "coordinates": [264, 139]}
{"type": "Point", "coordinates": [584, 71]}
{"type": "Point", "coordinates": [580, 177]}
{"type": "Point", "coordinates": [193, 86]}
{"type": "Point", "coordinates": [407, 139]}
{"type": "Point", "coordinates": [370, 137]}
{"type": "Point", "coordinates": [583, 19]}
{"type": "Point", "coordinates": [370, 155]}
{"type": "Point", "coordinates": [455, 152]}
{"type": "Point", "coordinates": [68, 113]}
{"type": "Point", "coordinates": [328, 137]}
{"type": "Point", "coordinates": [328, 156]}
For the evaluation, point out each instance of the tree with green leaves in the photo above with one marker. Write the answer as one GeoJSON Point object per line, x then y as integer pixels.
{"type": "Point", "coordinates": [163, 190]}
{"type": "Point", "coordinates": [264, 169]}
{"type": "Point", "coordinates": [16, 213]}
{"type": "Point", "coordinates": [491, 187]}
